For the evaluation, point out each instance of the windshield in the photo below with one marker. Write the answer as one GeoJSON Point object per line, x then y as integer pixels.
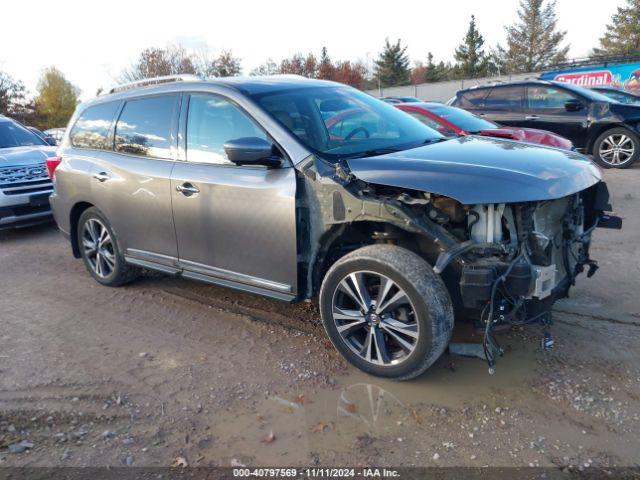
{"type": "Point", "coordinates": [622, 97]}
{"type": "Point", "coordinates": [14, 135]}
{"type": "Point", "coordinates": [462, 119]}
{"type": "Point", "coordinates": [339, 122]}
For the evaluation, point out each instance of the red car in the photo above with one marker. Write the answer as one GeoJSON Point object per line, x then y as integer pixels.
{"type": "Point", "coordinates": [451, 121]}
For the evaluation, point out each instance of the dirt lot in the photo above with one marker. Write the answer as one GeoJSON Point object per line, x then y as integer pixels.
{"type": "Point", "coordinates": [166, 368]}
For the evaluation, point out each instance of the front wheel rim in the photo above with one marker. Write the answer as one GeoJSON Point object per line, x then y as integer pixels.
{"type": "Point", "coordinates": [617, 149]}
{"type": "Point", "coordinates": [375, 318]}
{"type": "Point", "coordinates": [98, 248]}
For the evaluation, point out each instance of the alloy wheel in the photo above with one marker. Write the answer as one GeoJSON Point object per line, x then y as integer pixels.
{"type": "Point", "coordinates": [616, 149]}
{"type": "Point", "coordinates": [375, 318]}
{"type": "Point", "coordinates": [98, 247]}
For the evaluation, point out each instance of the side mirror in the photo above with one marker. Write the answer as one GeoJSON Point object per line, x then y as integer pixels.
{"type": "Point", "coordinates": [573, 106]}
{"type": "Point", "coordinates": [50, 141]}
{"type": "Point", "coordinates": [251, 151]}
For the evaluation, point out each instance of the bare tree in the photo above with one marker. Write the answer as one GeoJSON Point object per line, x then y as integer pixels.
{"type": "Point", "coordinates": [222, 65]}
{"type": "Point", "coordinates": [352, 73]}
{"type": "Point", "coordinates": [268, 68]}
{"type": "Point", "coordinates": [158, 62]}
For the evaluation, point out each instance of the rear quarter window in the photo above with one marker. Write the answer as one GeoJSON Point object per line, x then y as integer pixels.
{"type": "Point", "coordinates": [92, 127]}
{"type": "Point", "coordinates": [472, 99]}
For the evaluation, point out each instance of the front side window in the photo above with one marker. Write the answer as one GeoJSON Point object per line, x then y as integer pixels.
{"type": "Point", "coordinates": [213, 121]}
{"type": "Point", "coordinates": [548, 98]}
{"type": "Point", "coordinates": [92, 128]}
{"type": "Point", "coordinates": [14, 135]}
{"type": "Point", "coordinates": [505, 98]}
{"type": "Point", "coordinates": [144, 126]}
{"type": "Point", "coordinates": [339, 122]}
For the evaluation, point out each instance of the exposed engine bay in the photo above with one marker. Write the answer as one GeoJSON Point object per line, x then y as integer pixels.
{"type": "Point", "coordinates": [503, 263]}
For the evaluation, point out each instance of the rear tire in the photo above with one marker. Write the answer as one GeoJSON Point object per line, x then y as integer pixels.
{"type": "Point", "coordinates": [408, 320]}
{"type": "Point", "coordinates": [616, 148]}
{"type": "Point", "coordinates": [100, 252]}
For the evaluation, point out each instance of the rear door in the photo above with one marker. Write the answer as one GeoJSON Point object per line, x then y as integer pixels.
{"type": "Point", "coordinates": [546, 110]}
{"type": "Point", "coordinates": [504, 105]}
{"type": "Point", "coordinates": [235, 225]}
{"type": "Point", "coordinates": [131, 183]}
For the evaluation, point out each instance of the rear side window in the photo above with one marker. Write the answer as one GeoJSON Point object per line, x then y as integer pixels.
{"type": "Point", "coordinates": [472, 99]}
{"type": "Point", "coordinates": [92, 128]}
{"type": "Point", "coordinates": [505, 98]}
{"type": "Point", "coordinates": [213, 121]}
{"type": "Point", "coordinates": [144, 126]}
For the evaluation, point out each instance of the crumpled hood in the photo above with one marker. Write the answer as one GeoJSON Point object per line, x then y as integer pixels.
{"type": "Point", "coordinates": [35, 155]}
{"type": "Point", "coordinates": [475, 169]}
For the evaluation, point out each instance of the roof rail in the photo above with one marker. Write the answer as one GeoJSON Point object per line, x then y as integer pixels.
{"type": "Point", "coordinates": [154, 81]}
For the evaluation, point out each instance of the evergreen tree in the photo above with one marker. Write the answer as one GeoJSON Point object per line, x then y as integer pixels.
{"type": "Point", "coordinates": [392, 66]}
{"type": "Point", "coordinates": [472, 61]}
{"type": "Point", "coordinates": [430, 72]}
{"type": "Point", "coordinates": [12, 92]}
{"type": "Point", "coordinates": [534, 41]}
{"type": "Point", "coordinates": [325, 67]}
{"type": "Point", "coordinates": [623, 33]}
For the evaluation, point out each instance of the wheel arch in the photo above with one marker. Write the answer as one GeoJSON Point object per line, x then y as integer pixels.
{"type": "Point", "coordinates": [74, 216]}
{"type": "Point", "coordinates": [342, 239]}
{"type": "Point", "coordinates": [600, 129]}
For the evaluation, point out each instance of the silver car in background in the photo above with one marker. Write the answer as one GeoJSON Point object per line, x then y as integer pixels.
{"type": "Point", "coordinates": [24, 184]}
{"type": "Point", "coordinates": [55, 133]}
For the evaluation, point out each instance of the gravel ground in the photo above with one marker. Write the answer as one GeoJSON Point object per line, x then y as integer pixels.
{"type": "Point", "coordinates": [170, 372]}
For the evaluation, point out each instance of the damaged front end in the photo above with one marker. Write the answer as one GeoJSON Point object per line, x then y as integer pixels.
{"type": "Point", "coordinates": [521, 258]}
{"type": "Point", "coordinates": [503, 263]}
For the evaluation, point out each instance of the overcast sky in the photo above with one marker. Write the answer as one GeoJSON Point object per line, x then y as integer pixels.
{"type": "Point", "coordinates": [91, 42]}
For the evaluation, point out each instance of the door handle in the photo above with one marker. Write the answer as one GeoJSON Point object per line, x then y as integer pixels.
{"type": "Point", "coordinates": [531, 117]}
{"type": "Point", "coordinates": [102, 176]}
{"type": "Point", "coordinates": [187, 189]}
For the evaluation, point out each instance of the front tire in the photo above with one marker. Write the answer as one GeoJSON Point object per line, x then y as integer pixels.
{"type": "Point", "coordinates": [386, 311]}
{"type": "Point", "coordinates": [616, 148]}
{"type": "Point", "coordinates": [100, 251]}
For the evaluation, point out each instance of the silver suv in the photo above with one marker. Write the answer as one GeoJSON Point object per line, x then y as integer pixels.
{"type": "Point", "coordinates": [24, 184]}
{"type": "Point", "coordinates": [295, 188]}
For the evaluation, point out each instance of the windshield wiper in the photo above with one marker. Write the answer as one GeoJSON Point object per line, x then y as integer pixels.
{"type": "Point", "coordinates": [429, 141]}
{"type": "Point", "coordinates": [374, 152]}
{"type": "Point", "coordinates": [398, 148]}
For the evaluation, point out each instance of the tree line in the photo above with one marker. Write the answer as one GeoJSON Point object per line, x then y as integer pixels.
{"type": "Point", "coordinates": [533, 42]}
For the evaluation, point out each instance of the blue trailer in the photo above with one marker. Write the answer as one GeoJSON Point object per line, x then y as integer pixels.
{"type": "Point", "coordinates": [622, 75]}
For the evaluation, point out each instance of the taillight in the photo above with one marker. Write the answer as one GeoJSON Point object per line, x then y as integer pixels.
{"type": "Point", "coordinates": [52, 163]}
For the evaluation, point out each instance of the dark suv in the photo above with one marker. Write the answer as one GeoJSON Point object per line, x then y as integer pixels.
{"type": "Point", "coordinates": [595, 123]}
{"type": "Point", "coordinates": [245, 183]}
